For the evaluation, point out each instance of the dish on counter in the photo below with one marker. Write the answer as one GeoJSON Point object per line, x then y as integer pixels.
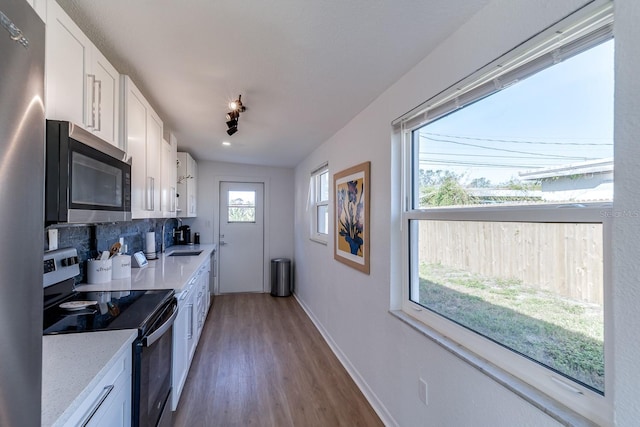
{"type": "Point", "coordinates": [77, 305]}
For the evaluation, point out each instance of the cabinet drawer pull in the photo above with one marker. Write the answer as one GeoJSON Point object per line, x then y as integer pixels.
{"type": "Point", "coordinates": [101, 398]}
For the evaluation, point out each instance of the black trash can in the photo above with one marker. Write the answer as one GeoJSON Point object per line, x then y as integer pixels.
{"type": "Point", "coordinates": [281, 277]}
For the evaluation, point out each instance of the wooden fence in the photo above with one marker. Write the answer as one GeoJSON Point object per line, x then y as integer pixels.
{"type": "Point", "coordinates": [566, 259]}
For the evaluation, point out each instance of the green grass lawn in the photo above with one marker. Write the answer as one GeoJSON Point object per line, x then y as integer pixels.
{"type": "Point", "coordinates": [563, 334]}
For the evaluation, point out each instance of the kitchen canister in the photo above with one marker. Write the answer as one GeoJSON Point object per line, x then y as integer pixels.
{"type": "Point", "coordinates": [121, 266]}
{"type": "Point", "coordinates": [150, 247]}
{"type": "Point", "coordinates": [99, 270]}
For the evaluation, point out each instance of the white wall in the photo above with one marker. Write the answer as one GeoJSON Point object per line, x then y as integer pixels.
{"type": "Point", "coordinates": [351, 308]}
{"type": "Point", "coordinates": [279, 200]}
{"type": "Point", "coordinates": [626, 235]}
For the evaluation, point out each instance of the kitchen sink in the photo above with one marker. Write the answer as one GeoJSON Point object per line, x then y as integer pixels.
{"type": "Point", "coordinates": [185, 253]}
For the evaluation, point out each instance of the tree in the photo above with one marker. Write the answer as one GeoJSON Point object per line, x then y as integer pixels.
{"type": "Point", "coordinates": [516, 184]}
{"type": "Point", "coordinates": [437, 177]}
{"type": "Point", "coordinates": [480, 183]}
{"type": "Point", "coordinates": [449, 193]}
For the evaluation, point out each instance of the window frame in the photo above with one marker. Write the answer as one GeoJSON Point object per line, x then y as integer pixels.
{"type": "Point", "coordinates": [315, 202]}
{"type": "Point", "coordinates": [591, 19]}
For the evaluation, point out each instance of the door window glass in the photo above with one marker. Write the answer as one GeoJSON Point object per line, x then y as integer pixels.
{"type": "Point", "coordinates": [241, 206]}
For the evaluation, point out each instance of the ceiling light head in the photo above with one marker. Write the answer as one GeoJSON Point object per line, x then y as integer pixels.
{"type": "Point", "coordinates": [237, 105]}
{"type": "Point", "coordinates": [233, 115]}
{"type": "Point", "coordinates": [232, 123]}
{"type": "Point", "coordinates": [232, 130]}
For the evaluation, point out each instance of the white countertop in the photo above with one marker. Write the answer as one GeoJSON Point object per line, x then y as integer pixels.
{"type": "Point", "coordinates": [72, 366]}
{"type": "Point", "coordinates": [167, 272]}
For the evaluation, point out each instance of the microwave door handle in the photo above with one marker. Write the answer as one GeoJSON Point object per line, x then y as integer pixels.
{"type": "Point", "coordinates": [155, 335]}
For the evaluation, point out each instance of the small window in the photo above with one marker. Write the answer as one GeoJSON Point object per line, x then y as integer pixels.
{"type": "Point", "coordinates": [242, 206]}
{"type": "Point", "coordinates": [319, 187]}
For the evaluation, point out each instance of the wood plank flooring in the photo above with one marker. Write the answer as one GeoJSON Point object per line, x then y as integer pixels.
{"type": "Point", "coordinates": [262, 362]}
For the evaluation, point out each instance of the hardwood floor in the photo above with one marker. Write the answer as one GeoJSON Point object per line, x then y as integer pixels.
{"type": "Point", "coordinates": [262, 362]}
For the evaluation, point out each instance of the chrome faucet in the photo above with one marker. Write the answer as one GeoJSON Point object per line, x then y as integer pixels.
{"type": "Point", "coordinates": [162, 245]}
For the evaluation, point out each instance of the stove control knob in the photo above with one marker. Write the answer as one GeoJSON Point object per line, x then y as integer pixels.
{"type": "Point", "coordinates": [67, 262]}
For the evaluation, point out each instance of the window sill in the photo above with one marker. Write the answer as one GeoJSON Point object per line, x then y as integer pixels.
{"type": "Point", "coordinates": [555, 410]}
{"type": "Point", "coordinates": [318, 240]}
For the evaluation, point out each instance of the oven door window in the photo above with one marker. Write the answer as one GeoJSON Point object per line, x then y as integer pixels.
{"type": "Point", "coordinates": [155, 379]}
{"type": "Point", "coordinates": [95, 183]}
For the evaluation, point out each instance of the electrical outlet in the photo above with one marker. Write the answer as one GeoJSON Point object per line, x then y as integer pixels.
{"type": "Point", "coordinates": [423, 390]}
{"type": "Point", "coordinates": [53, 238]}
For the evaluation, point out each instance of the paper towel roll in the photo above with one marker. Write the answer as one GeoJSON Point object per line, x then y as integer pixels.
{"type": "Point", "coordinates": [150, 251]}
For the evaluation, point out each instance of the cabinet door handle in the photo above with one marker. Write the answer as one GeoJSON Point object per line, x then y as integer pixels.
{"type": "Point", "coordinates": [99, 105]}
{"type": "Point", "coordinates": [150, 193]}
{"type": "Point", "coordinates": [173, 200]}
{"type": "Point", "coordinates": [190, 330]}
{"type": "Point", "coordinates": [101, 398]}
{"type": "Point", "coordinates": [14, 32]}
{"type": "Point", "coordinates": [91, 107]}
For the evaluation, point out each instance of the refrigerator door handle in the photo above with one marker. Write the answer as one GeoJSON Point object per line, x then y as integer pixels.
{"type": "Point", "coordinates": [14, 32]}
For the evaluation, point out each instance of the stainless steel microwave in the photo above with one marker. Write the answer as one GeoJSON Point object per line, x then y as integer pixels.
{"type": "Point", "coordinates": [87, 180]}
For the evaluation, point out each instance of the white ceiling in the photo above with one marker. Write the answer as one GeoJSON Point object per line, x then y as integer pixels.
{"type": "Point", "coordinates": [304, 68]}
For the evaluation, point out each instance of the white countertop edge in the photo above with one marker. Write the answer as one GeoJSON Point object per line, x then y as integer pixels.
{"type": "Point", "coordinates": [166, 272]}
{"type": "Point", "coordinates": [69, 372]}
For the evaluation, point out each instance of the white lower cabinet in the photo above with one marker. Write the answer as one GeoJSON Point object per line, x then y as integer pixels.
{"type": "Point", "coordinates": [109, 404]}
{"type": "Point", "coordinates": [183, 338]}
{"type": "Point", "coordinates": [192, 312]}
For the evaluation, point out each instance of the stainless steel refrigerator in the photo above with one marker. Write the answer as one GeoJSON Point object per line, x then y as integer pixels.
{"type": "Point", "coordinates": [22, 123]}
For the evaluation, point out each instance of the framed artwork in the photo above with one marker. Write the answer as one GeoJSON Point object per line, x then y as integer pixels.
{"type": "Point", "coordinates": [351, 219]}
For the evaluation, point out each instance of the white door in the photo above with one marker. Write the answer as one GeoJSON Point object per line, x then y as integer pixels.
{"type": "Point", "coordinates": [241, 237]}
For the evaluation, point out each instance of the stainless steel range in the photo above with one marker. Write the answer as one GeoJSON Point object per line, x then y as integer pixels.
{"type": "Point", "coordinates": [152, 313]}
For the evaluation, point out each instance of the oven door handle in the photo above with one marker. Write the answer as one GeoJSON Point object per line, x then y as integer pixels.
{"type": "Point", "coordinates": [155, 335]}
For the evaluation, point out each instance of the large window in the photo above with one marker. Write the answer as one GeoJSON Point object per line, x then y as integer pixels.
{"type": "Point", "coordinates": [509, 183]}
{"type": "Point", "coordinates": [320, 204]}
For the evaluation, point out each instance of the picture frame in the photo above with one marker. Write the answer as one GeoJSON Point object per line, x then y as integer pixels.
{"type": "Point", "coordinates": [351, 191]}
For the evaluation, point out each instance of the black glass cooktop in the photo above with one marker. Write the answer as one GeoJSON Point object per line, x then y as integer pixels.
{"type": "Point", "coordinates": [111, 310]}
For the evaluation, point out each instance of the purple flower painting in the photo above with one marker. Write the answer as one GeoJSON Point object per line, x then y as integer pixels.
{"type": "Point", "coordinates": [350, 214]}
{"type": "Point", "coordinates": [351, 221]}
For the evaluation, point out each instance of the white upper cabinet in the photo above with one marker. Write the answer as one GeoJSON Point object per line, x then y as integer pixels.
{"type": "Point", "coordinates": [81, 85]}
{"type": "Point", "coordinates": [142, 130]}
{"type": "Point", "coordinates": [168, 176]}
{"type": "Point", "coordinates": [40, 6]}
{"type": "Point", "coordinates": [187, 183]}
{"type": "Point", "coordinates": [104, 105]}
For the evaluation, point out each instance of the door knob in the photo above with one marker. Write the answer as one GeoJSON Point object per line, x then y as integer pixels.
{"type": "Point", "coordinates": [222, 243]}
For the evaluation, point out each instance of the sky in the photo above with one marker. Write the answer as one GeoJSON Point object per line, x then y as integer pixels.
{"type": "Point", "coordinates": [560, 116]}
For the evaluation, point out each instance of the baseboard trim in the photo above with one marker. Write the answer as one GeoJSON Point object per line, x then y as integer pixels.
{"type": "Point", "coordinates": [368, 393]}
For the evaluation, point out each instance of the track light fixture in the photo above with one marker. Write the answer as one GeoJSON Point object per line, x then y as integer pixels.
{"type": "Point", "coordinates": [233, 116]}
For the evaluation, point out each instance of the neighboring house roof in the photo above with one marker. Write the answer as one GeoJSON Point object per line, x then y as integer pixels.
{"type": "Point", "coordinates": [592, 166]}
